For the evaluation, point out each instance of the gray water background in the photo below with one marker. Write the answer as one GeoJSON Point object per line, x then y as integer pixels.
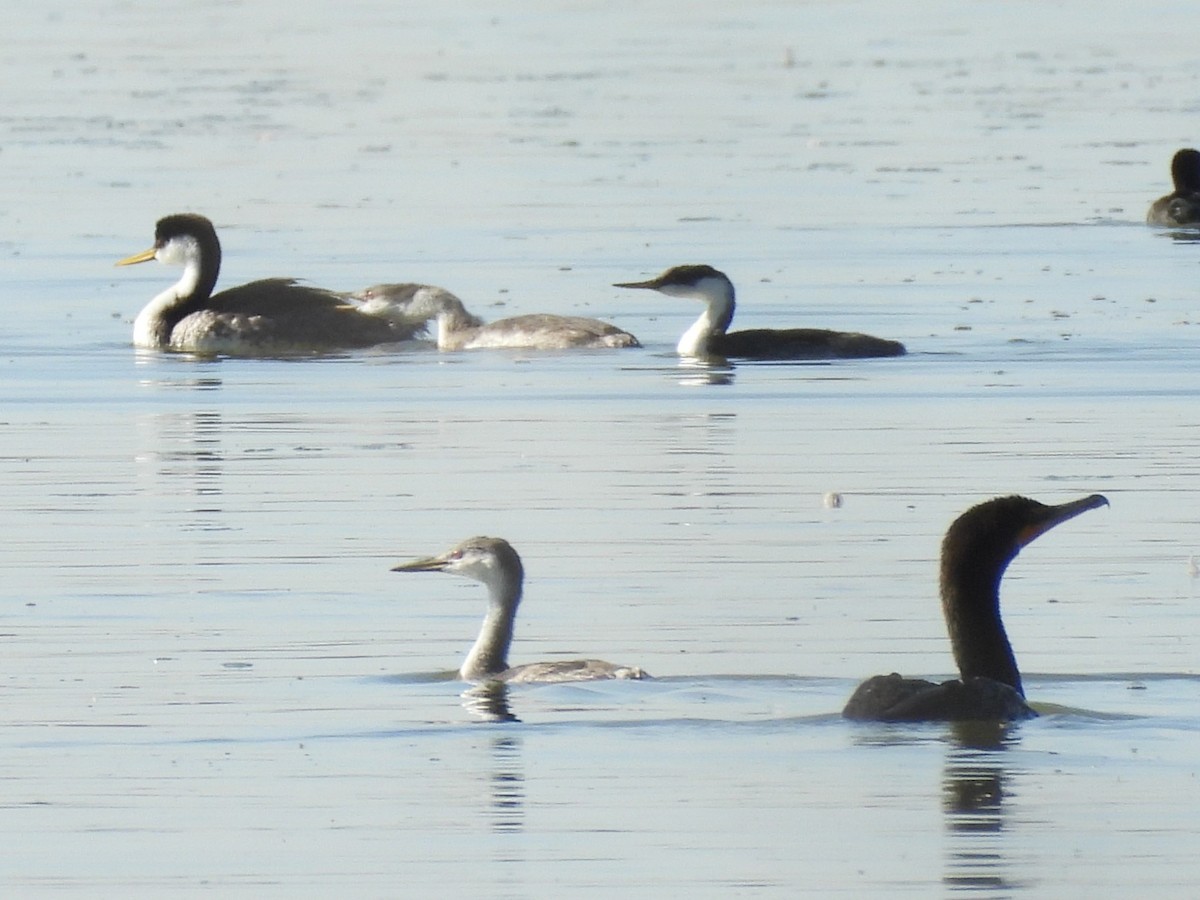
{"type": "Point", "coordinates": [212, 682]}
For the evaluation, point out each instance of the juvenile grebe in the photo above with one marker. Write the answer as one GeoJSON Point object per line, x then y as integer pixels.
{"type": "Point", "coordinates": [458, 329]}
{"type": "Point", "coordinates": [975, 552]}
{"type": "Point", "coordinates": [1182, 205]}
{"type": "Point", "coordinates": [494, 562]}
{"type": "Point", "coordinates": [273, 316]}
{"type": "Point", "coordinates": [708, 338]}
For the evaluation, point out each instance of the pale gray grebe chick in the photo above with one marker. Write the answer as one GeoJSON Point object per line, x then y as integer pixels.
{"type": "Point", "coordinates": [388, 301]}
{"type": "Point", "coordinates": [273, 316]}
{"type": "Point", "coordinates": [977, 549]}
{"type": "Point", "coordinates": [1181, 206]}
{"type": "Point", "coordinates": [494, 562]}
{"type": "Point", "coordinates": [458, 329]}
{"type": "Point", "coordinates": [708, 336]}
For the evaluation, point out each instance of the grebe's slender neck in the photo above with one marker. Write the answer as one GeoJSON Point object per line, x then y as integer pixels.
{"type": "Point", "coordinates": [153, 326]}
{"type": "Point", "coordinates": [180, 240]}
{"type": "Point", "coordinates": [719, 305]}
{"type": "Point", "coordinates": [453, 320]}
{"type": "Point", "coordinates": [489, 654]}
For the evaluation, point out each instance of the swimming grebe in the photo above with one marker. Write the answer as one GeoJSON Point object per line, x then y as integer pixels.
{"type": "Point", "coordinates": [975, 552]}
{"type": "Point", "coordinates": [494, 562]}
{"type": "Point", "coordinates": [458, 329]}
{"type": "Point", "coordinates": [708, 338]}
{"type": "Point", "coordinates": [274, 316]}
{"type": "Point", "coordinates": [1181, 206]}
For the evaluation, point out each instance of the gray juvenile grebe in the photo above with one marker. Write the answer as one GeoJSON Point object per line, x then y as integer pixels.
{"type": "Point", "coordinates": [458, 329]}
{"type": "Point", "coordinates": [494, 562]}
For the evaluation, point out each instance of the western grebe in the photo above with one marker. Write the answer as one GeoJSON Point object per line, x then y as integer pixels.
{"type": "Point", "coordinates": [274, 316]}
{"type": "Point", "coordinates": [975, 552]}
{"type": "Point", "coordinates": [708, 338]}
{"type": "Point", "coordinates": [1182, 205]}
{"type": "Point", "coordinates": [494, 562]}
{"type": "Point", "coordinates": [458, 329]}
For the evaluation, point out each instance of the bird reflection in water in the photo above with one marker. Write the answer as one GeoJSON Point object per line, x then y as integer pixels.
{"type": "Point", "coordinates": [973, 794]}
{"type": "Point", "coordinates": [488, 701]}
{"type": "Point", "coordinates": [507, 781]}
{"type": "Point", "coordinates": [699, 372]}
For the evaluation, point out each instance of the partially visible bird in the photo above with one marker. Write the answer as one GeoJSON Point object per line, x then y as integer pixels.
{"type": "Point", "coordinates": [1182, 205]}
{"type": "Point", "coordinates": [458, 329]}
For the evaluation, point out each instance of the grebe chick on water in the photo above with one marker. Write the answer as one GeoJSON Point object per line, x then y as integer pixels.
{"type": "Point", "coordinates": [268, 317]}
{"type": "Point", "coordinates": [494, 562]}
{"type": "Point", "coordinates": [458, 329]}
{"type": "Point", "coordinates": [388, 301]}
{"type": "Point", "coordinates": [708, 338]}
{"type": "Point", "coordinates": [977, 549]}
{"type": "Point", "coordinates": [1181, 206]}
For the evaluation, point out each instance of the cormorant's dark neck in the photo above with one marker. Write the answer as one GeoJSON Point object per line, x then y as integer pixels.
{"type": "Point", "coordinates": [971, 605]}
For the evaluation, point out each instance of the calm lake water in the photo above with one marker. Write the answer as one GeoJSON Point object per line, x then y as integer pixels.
{"type": "Point", "coordinates": [214, 684]}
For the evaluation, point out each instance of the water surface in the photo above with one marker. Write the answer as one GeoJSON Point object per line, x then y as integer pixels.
{"type": "Point", "coordinates": [213, 680]}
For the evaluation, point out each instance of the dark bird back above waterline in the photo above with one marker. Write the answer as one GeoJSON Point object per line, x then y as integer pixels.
{"type": "Point", "coordinates": [1182, 205]}
{"type": "Point", "coordinates": [977, 549]}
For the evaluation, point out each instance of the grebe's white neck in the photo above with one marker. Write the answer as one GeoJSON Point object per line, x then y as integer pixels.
{"type": "Point", "coordinates": [153, 325]}
{"type": "Point", "coordinates": [717, 295]}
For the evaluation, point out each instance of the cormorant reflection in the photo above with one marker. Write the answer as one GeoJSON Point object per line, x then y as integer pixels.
{"type": "Point", "coordinates": [973, 794]}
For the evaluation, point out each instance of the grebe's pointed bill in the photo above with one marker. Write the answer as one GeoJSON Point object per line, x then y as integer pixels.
{"type": "Point", "coordinates": [652, 285]}
{"type": "Point", "coordinates": [1056, 515]}
{"type": "Point", "coordinates": [428, 563]}
{"type": "Point", "coordinates": [144, 256]}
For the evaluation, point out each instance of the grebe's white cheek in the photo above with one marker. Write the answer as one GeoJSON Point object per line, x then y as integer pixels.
{"type": "Point", "coordinates": [178, 251]}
